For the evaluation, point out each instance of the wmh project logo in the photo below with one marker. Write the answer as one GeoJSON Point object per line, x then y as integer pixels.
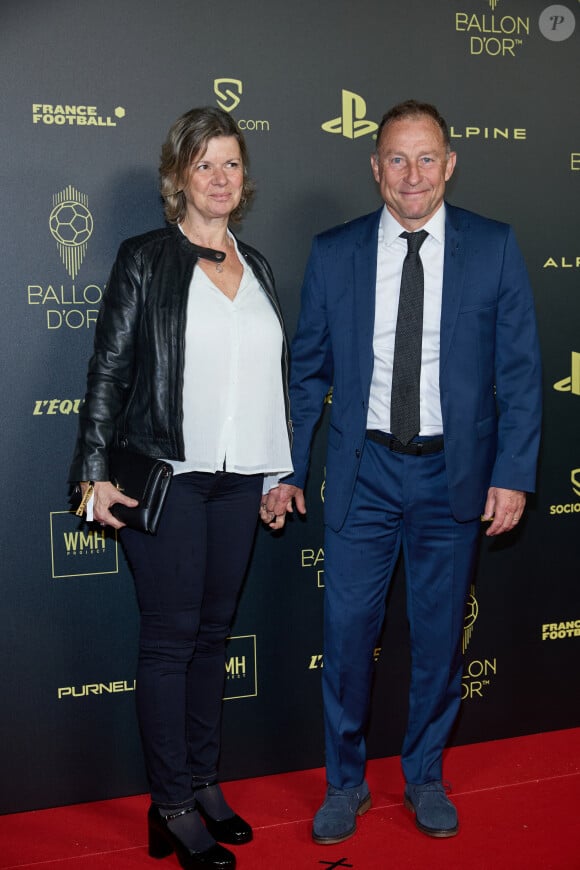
{"type": "Point", "coordinates": [79, 549]}
{"type": "Point", "coordinates": [241, 668]}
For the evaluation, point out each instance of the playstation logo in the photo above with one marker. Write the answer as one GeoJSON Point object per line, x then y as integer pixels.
{"type": "Point", "coordinates": [228, 99]}
{"type": "Point", "coordinates": [352, 123]}
{"type": "Point", "coordinates": [571, 384]}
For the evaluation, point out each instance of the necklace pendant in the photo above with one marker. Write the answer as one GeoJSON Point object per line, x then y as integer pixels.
{"type": "Point", "coordinates": [219, 267]}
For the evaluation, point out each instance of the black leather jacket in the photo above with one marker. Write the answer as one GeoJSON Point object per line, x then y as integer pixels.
{"type": "Point", "coordinates": [135, 378]}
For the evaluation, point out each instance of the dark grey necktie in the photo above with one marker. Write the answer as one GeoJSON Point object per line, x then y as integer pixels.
{"type": "Point", "coordinates": [405, 422]}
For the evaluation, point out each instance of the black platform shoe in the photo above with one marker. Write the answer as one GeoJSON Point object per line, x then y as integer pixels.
{"type": "Point", "coordinates": [162, 842]}
{"type": "Point", "coordinates": [233, 830]}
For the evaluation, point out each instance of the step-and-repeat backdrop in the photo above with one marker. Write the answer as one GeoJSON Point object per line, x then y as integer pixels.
{"type": "Point", "coordinates": [89, 91]}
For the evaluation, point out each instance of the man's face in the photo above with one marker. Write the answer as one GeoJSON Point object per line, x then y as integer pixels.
{"type": "Point", "coordinates": [411, 167]}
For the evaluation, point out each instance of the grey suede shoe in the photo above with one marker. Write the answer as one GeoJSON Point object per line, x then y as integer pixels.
{"type": "Point", "coordinates": [335, 821]}
{"type": "Point", "coordinates": [435, 815]}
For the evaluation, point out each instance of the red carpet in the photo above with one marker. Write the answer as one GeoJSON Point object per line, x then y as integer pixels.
{"type": "Point", "coordinates": [518, 802]}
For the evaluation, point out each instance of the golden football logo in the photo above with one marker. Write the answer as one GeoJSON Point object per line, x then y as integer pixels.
{"type": "Point", "coordinates": [71, 225]}
{"type": "Point", "coordinates": [471, 613]}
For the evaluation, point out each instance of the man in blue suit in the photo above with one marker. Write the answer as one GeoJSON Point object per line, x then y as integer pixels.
{"type": "Point", "coordinates": [467, 444]}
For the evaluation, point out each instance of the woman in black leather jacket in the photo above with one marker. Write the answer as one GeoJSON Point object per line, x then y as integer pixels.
{"type": "Point", "coordinates": [190, 365]}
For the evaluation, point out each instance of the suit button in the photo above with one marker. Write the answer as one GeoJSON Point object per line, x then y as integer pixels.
{"type": "Point", "coordinates": [357, 454]}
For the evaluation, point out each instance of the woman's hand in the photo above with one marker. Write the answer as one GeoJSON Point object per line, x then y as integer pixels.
{"type": "Point", "coordinates": [276, 503]}
{"type": "Point", "coordinates": [105, 496]}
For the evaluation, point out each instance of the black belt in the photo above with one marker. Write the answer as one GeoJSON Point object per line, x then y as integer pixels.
{"type": "Point", "coordinates": [414, 448]}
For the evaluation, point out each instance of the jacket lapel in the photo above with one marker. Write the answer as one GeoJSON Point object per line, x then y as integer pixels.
{"type": "Point", "coordinates": [456, 246]}
{"type": "Point", "coordinates": [364, 282]}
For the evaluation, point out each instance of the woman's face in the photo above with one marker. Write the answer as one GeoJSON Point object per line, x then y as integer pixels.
{"type": "Point", "coordinates": [213, 188]}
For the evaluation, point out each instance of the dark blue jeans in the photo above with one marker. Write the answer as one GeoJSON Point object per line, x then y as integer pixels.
{"type": "Point", "coordinates": [188, 579]}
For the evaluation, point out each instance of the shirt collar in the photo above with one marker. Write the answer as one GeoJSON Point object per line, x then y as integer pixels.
{"type": "Point", "coordinates": [390, 229]}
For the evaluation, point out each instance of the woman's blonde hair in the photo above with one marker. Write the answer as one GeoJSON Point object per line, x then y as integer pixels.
{"type": "Point", "coordinates": [188, 138]}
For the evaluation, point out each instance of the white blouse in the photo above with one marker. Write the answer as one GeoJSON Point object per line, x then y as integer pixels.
{"type": "Point", "coordinates": [233, 400]}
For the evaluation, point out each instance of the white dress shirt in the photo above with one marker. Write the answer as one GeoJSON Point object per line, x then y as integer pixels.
{"type": "Point", "coordinates": [391, 251]}
{"type": "Point", "coordinates": [233, 399]}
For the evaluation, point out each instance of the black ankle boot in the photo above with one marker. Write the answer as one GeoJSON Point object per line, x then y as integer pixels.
{"type": "Point", "coordinates": [227, 827]}
{"type": "Point", "coordinates": [162, 842]}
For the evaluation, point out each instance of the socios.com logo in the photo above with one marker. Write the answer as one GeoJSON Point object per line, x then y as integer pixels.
{"type": "Point", "coordinates": [228, 93]}
{"type": "Point", "coordinates": [71, 225]}
{"type": "Point", "coordinates": [569, 508]}
{"type": "Point", "coordinates": [352, 122]}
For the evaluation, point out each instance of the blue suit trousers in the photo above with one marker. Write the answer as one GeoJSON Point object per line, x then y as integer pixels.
{"type": "Point", "coordinates": [398, 500]}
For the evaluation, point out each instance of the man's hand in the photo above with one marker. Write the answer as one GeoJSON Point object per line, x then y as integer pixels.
{"type": "Point", "coordinates": [504, 508]}
{"type": "Point", "coordinates": [276, 503]}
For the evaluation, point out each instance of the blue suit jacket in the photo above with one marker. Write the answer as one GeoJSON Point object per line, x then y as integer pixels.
{"type": "Point", "coordinates": [490, 376]}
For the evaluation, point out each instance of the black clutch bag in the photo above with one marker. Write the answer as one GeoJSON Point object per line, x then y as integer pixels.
{"type": "Point", "coordinates": [143, 478]}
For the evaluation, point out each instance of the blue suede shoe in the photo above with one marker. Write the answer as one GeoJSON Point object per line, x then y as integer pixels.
{"type": "Point", "coordinates": [435, 815]}
{"type": "Point", "coordinates": [335, 821]}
